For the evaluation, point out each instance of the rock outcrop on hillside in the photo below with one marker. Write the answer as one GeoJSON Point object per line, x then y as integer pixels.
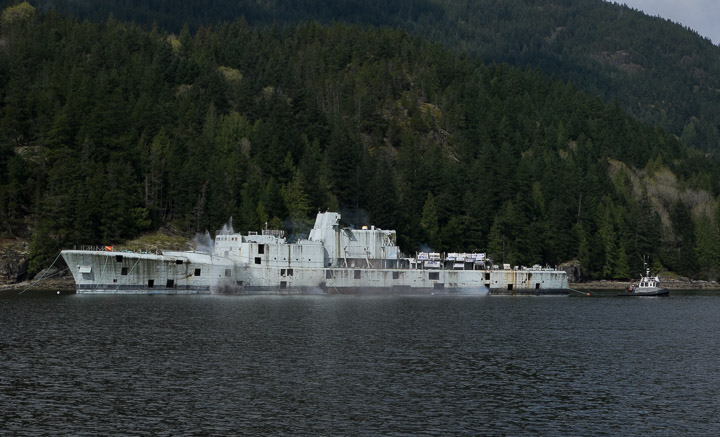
{"type": "Point", "coordinates": [14, 256]}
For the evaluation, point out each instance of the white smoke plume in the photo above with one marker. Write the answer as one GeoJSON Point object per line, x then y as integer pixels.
{"type": "Point", "coordinates": [204, 242]}
{"type": "Point", "coordinates": [227, 228]}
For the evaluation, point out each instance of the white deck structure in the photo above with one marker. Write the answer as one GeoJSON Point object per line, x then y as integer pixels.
{"type": "Point", "coordinates": [333, 260]}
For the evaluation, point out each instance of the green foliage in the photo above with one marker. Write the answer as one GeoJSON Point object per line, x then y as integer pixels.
{"type": "Point", "coordinates": [658, 71]}
{"type": "Point", "coordinates": [107, 131]}
{"type": "Point", "coordinates": [16, 15]}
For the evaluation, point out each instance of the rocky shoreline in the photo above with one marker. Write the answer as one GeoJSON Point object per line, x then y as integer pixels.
{"type": "Point", "coordinates": [60, 284]}
{"type": "Point", "coordinates": [671, 284]}
{"type": "Point", "coordinates": [66, 284]}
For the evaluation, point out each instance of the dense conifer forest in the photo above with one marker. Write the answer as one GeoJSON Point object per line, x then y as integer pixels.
{"type": "Point", "coordinates": [658, 71]}
{"type": "Point", "coordinates": [110, 130]}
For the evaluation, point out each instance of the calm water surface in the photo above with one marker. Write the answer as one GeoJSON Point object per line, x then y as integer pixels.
{"type": "Point", "coordinates": [341, 365]}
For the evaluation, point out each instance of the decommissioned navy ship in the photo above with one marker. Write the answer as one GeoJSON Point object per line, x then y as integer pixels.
{"type": "Point", "coordinates": [333, 260]}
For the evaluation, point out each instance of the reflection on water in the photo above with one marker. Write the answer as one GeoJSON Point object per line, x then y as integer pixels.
{"type": "Point", "coordinates": [218, 365]}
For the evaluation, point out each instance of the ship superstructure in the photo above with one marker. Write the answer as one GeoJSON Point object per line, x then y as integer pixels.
{"type": "Point", "coordinates": [334, 259]}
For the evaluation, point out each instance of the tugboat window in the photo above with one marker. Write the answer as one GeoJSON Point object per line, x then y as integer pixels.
{"type": "Point", "coordinates": [289, 272]}
{"type": "Point", "coordinates": [118, 258]}
{"type": "Point", "coordinates": [227, 273]}
{"type": "Point", "coordinates": [328, 274]}
{"type": "Point", "coordinates": [261, 249]}
{"type": "Point", "coordinates": [151, 283]}
{"type": "Point", "coordinates": [124, 271]}
{"type": "Point", "coordinates": [434, 275]}
{"type": "Point", "coordinates": [357, 274]}
{"type": "Point", "coordinates": [257, 260]}
{"type": "Point", "coordinates": [396, 275]}
{"type": "Point", "coordinates": [197, 272]}
{"type": "Point", "coordinates": [170, 283]}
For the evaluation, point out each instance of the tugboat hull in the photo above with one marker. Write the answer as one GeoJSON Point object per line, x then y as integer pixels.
{"type": "Point", "coordinates": [658, 292]}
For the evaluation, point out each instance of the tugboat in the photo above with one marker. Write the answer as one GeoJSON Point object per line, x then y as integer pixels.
{"type": "Point", "coordinates": [648, 286]}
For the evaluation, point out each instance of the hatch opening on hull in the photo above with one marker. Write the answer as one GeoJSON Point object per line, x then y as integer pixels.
{"type": "Point", "coordinates": [510, 286]}
{"type": "Point", "coordinates": [151, 283]}
{"type": "Point", "coordinates": [537, 285]}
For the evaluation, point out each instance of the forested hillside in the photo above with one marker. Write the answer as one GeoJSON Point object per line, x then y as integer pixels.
{"type": "Point", "coordinates": [658, 71]}
{"type": "Point", "coordinates": [109, 130]}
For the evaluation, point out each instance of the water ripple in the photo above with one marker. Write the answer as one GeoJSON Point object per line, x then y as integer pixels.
{"type": "Point", "coordinates": [212, 365]}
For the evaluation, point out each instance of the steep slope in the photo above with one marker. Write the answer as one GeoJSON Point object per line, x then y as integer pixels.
{"type": "Point", "coordinates": [109, 131]}
{"type": "Point", "coordinates": [659, 71]}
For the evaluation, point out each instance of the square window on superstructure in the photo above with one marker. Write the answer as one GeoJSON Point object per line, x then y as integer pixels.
{"type": "Point", "coordinates": [289, 272]}
{"type": "Point", "coordinates": [258, 260]}
{"type": "Point", "coordinates": [124, 271]}
{"type": "Point", "coordinates": [396, 275]}
{"type": "Point", "coordinates": [227, 273]}
{"type": "Point", "coordinates": [197, 272]}
{"type": "Point", "coordinates": [261, 249]}
{"type": "Point", "coordinates": [328, 274]}
{"type": "Point", "coordinates": [434, 276]}
{"type": "Point", "coordinates": [357, 274]}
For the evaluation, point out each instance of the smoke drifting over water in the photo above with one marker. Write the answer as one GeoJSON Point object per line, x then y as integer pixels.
{"type": "Point", "coordinates": [204, 242]}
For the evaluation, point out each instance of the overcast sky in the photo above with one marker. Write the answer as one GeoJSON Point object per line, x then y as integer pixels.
{"type": "Point", "coordinates": [702, 16]}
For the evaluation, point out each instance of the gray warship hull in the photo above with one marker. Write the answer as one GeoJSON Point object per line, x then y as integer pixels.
{"type": "Point", "coordinates": [333, 261]}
